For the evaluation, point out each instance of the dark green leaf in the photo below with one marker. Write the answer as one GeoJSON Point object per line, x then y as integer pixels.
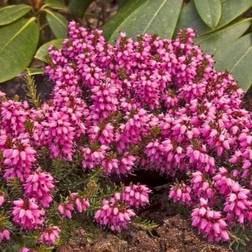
{"type": "Point", "coordinates": [78, 7]}
{"type": "Point", "coordinates": [42, 53]}
{"type": "Point", "coordinates": [209, 11]}
{"type": "Point", "coordinates": [121, 15]}
{"type": "Point", "coordinates": [158, 17]}
{"type": "Point", "coordinates": [237, 60]}
{"type": "Point", "coordinates": [57, 23]}
{"type": "Point", "coordinates": [242, 70]}
{"type": "Point", "coordinates": [230, 55]}
{"type": "Point", "coordinates": [232, 9]}
{"type": "Point", "coordinates": [12, 13]}
{"type": "Point", "coordinates": [18, 43]}
{"type": "Point", "coordinates": [56, 4]}
{"type": "Point", "coordinates": [190, 18]}
{"type": "Point", "coordinates": [219, 40]}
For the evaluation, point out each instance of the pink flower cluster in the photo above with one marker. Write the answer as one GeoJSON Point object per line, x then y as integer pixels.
{"type": "Point", "coordinates": [39, 185]}
{"type": "Point", "coordinates": [209, 222]}
{"type": "Point", "coordinates": [152, 104]}
{"type": "Point", "coordinates": [116, 213]}
{"type": "Point", "coordinates": [50, 236]}
{"type": "Point", "coordinates": [135, 195]}
{"type": "Point", "coordinates": [74, 201]}
{"type": "Point", "coordinates": [27, 214]}
{"type": "Point", "coordinates": [4, 235]}
{"type": "Point", "coordinates": [2, 198]}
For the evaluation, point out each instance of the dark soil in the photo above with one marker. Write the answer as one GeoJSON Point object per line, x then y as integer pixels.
{"type": "Point", "coordinates": [172, 234]}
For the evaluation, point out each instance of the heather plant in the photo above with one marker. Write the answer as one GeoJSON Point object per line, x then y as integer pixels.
{"type": "Point", "coordinates": [146, 104]}
{"type": "Point", "coordinates": [29, 27]}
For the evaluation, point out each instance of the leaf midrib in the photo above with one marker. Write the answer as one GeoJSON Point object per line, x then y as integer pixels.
{"type": "Point", "coordinates": [240, 59]}
{"type": "Point", "coordinates": [56, 17]}
{"type": "Point", "coordinates": [154, 16]}
{"type": "Point", "coordinates": [206, 36]}
{"type": "Point", "coordinates": [128, 17]}
{"type": "Point", "coordinates": [19, 8]}
{"type": "Point", "coordinates": [16, 34]}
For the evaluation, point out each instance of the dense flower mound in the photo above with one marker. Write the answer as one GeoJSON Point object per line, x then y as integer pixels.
{"type": "Point", "coordinates": [150, 103]}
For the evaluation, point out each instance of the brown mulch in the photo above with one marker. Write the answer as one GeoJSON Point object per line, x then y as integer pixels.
{"type": "Point", "coordinates": [174, 235]}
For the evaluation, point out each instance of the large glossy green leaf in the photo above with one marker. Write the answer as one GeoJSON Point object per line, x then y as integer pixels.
{"type": "Point", "coordinates": [56, 4]}
{"type": "Point", "coordinates": [18, 42]}
{"type": "Point", "coordinates": [209, 11]}
{"type": "Point", "coordinates": [12, 13]}
{"type": "Point", "coordinates": [42, 53]}
{"type": "Point", "coordinates": [230, 54]}
{"type": "Point", "coordinates": [220, 39]}
{"type": "Point", "coordinates": [57, 23]}
{"type": "Point", "coordinates": [78, 7]}
{"type": "Point", "coordinates": [158, 17]}
{"type": "Point", "coordinates": [127, 8]}
{"type": "Point", "coordinates": [232, 9]}
{"type": "Point", "coordinates": [237, 60]}
{"type": "Point", "coordinates": [242, 70]}
{"type": "Point", "coordinates": [189, 17]}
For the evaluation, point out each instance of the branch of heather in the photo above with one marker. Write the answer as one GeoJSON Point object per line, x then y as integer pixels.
{"type": "Point", "coordinates": [151, 104]}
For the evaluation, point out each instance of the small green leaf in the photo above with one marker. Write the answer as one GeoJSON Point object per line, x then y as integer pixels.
{"type": "Point", "coordinates": [57, 23]}
{"type": "Point", "coordinates": [209, 11]}
{"type": "Point", "coordinates": [231, 9]}
{"type": "Point", "coordinates": [56, 4]}
{"type": "Point", "coordinates": [189, 17]}
{"type": "Point", "coordinates": [220, 39]}
{"type": "Point", "coordinates": [18, 43]}
{"type": "Point", "coordinates": [12, 13]}
{"type": "Point", "coordinates": [78, 7]}
{"type": "Point", "coordinates": [237, 60]}
{"type": "Point", "coordinates": [35, 71]}
{"type": "Point", "coordinates": [159, 17]}
{"type": "Point", "coordinates": [122, 14]}
{"type": "Point", "coordinates": [42, 53]}
{"type": "Point", "coordinates": [31, 90]}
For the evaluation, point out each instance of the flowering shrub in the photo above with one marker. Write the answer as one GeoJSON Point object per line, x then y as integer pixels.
{"type": "Point", "coordinates": [151, 104]}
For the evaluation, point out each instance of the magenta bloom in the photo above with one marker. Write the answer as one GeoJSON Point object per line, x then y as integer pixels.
{"type": "Point", "coordinates": [19, 158]}
{"type": "Point", "coordinates": [2, 198]}
{"type": "Point", "coordinates": [50, 236]}
{"type": "Point", "coordinates": [114, 216]}
{"type": "Point", "coordinates": [66, 209]}
{"type": "Point", "coordinates": [24, 249]}
{"type": "Point", "coordinates": [14, 115]}
{"type": "Point", "coordinates": [238, 205]}
{"type": "Point", "coordinates": [92, 158]}
{"type": "Point", "coordinates": [209, 222]}
{"type": "Point", "coordinates": [135, 195]}
{"type": "Point", "coordinates": [181, 193]}
{"type": "Point", "coordinates": [201, 187]}
{"type": "Point", "coordinates": [4, 235]}
{"type": "Point", "coordinates": [81, 204]}
{"type": "Point", "coordinates": [27, 214]}
{"type": "Point", "coordinates": [39, 185]}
